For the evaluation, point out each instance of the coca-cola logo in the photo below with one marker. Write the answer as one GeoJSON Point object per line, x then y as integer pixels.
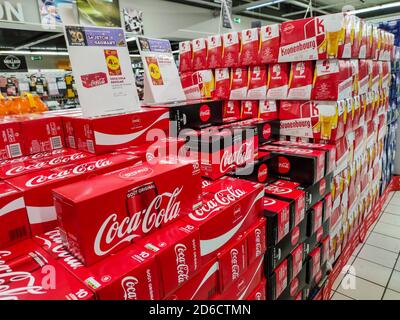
{"type": "Point", "coordinates": [257, 234]}
{"type": "Point", "coordinates": [205, 113]}
{"type": "Point", "coordinates": [135, 173]}
{"type": "Point", "coordinates": [266, 132]}
{"type": "Point", "coordinates": [295, 236]}
{"type": "Point", "coordinates": [236, 158]}
{"type": "Point", "coordinates": [63, 174]}
{"type": "Point", "coordinates": [235, 264]}
{"type": "Point", "coordinates": [181, 266]}
{"type": "Point", "coordinates": [205, 183]}
{"type": "Point", "coordinates": [129, 286]}
{"type": "Point", "coordinates": [277, 190]}
{"type": "Point", "coordinates": [288, 28]}
{"type": "Point", "coordinates": [258, 296]}
{"type": "Point", "coordinates": [162, 209]}
{"type": "Point", "coordinates": [223, 197]}
{"type": "Point", "coordinates": [262, 173]}
{"type": "Point", "coordinates": [294, 286]}
{"type": "Point", "coordinates": [322, 187]}
{"type": "Point", "coordinates": [269, 202]}
{"type": "Point", "coordinates": [283, 165]}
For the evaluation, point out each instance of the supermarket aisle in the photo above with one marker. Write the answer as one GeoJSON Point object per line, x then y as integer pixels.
{"type": "Point", "coordinates": [374, 269]}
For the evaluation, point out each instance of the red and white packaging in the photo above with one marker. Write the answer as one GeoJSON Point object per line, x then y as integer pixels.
{"type": "Point", "coordinates": [278, 80]}
{"type": "Point", "coordinates": [296, 261]}
{"type": "Point", "coordinates": [135, 201]}
{"type": "Point", "coordinates": [250, 48]}
{"type": "Point", "coordinates": [364, 39]}
{"type": "Point", "coordinates": [177, 249]}
{"type": "Point", "coordinates": [106, 134]}
{"type": "Point", "coordinates": [259, 293]}
{"type": "Point", "coordinates": [249, 109]}
{"type": "Point", "coordinates": [256, 240]}
{"type": "Point", "coordinates": [222, 84]}
{"type": "Point", "coordinates": [246, 284]}
{"type": "Point", "coordinates": [314, 266]}
{"type": "Point", "coordinates": [203, 286]}
{"type": "Point", "coordinates": [214, 53]}
{"type": "Point", "coordinates": [332, 80]}
{"type": "Point", "coordinates": [268, 110]}
{"type": "Point", "coordinates": [41, 133]}
{"type": "Point", "coordinates": [363, 76]}
{"type": "Point", "coordinates": [199, 48]}
{"type": "Point", "coordinates": [345, 48]}
{"type": "Point", "coordinates": [317, 119]}
{"type": "Point", "coordinates": [29, 273]}
{"type": "Point", "coordinates": [37, 186]}
{"type": "Point", "coordinates": [230, 207]}
{"type": "Point", "coordinates": [232, 262]}
{"type": "Point", "coordinates": [278, 281]}
{"type": "Point", "coordinates": [11, 141]}
{"type": "Point", "coordinates": [14, 224]}
{"type": "Point", "coordinates": [376, 75]}
{"type": "Point", "coordinates": [386, 72]}
{"type": "Point", "coordinates": [300, 80]}
{"type": "Point", "coordinates": [232, 111]}
{"type": "Point", "coordinates": [257, 83]}
{"type": "Point", "coordinates": [355, 76]}
{"type": "Point", "coordinates": [239, 83]}
{"type": "Point", "coordinates": [69, 129]}
{"type": "Point", "coordinates": [369, 40]}
{"type": "Point", "coordinates": [198, 84]}
{"type": "Point", "coordinates": [315, 216]}
{"type": "Point", "coordinates": [32, 163]}
{"type": "Point", "coordinates": [277, 213]}
{"type": "Point", "coordinates": [270, 41]}
{"type": "Point", "coordinates": [185, 56]}
{"type": "Point", "coordinates": [357, 34]}
{"type": "Point", "coordinates": [231, 53]}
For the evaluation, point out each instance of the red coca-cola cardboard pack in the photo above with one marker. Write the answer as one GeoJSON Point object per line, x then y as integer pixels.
{"type": "Point", "coordinates": [250, 47]}
{"type": "Point", "coordinates": [278, 80]}
{"type": "Point", "coordinates": [294, 289]}
{"type": "Point", "coordinates": [14, 224]}
{"type": "Point", "coordinates": [203, 286]}
{"type": "Point", "coordinates": [268, 110]}
{"type": "Point", "coordinates": [177, 249]}
{"type": "Point", "coordinates": [278, 281]}
{"type": "Point", "coordinates": [239, 83]}
{"type": "Point", "coordinates": [231, 50]}
{"type": "Point", "coordinates": [278, 216]}
{"type": "Point", "coordinates": [330, 155]}
{"type": "Point", "coordinates": [314, 218]}
{"type": "Point", "coordinates": [233, 262]}
{"type": "Point", "coordinates": [37, 186]}
{"type": "Point", "coordinates": [11, 142]}
{"type": "Point", "coordinates": [69, 128]}
{"type": "Point", "coordinates": [256, 240]}
{"type": "Point", "coordinates": [332, 80]}
{"type": "Point", "coordinates": [214, 53]}
{"type": "Point", "coordinates": [270, 40]}
{"type": "Point", "coordinates": [300, 80]}
{"type": "Point", "coordinates": [222, 84]}
{"type": "Point", "coordinates": [295, 262]}
{"type": "Point", "coordinates": [41, 133]}
{"type": "Point", "coordinates": [246, 284]}
{"type": "Point", "coordinates": [315, 239]}
{"type": "Point", "coordinates": [305, 166]}
{"type": "Point", "coordinates": [257, 83]}
{"type": "Point", "coordinates": [268, 130]}
{"type": "Point", "coordinates": [29, 273]}
{"type": "Point", "coordinates": [199, 48]}
{"type": "Point", "coordinates": [185, 56]}
{"type": "Point", "coordinates": [32, 163]}
{"type": "Point", "coordinates": [230, 207]}
{"type": "Point", "coordinates": [259, 293]}
{"type": "Point", "coordinates": [314, 272]}
{"type": "Point", "coordinates": [285, 191]}
{"type": "Point", "coordinates": [141, 199]}
{"type": "Point", "coordinates": [257, 171]}
{"type": "Point", "coordinates": [232, 111]}
{"type": "Point", "coordinates": [106, 134]}
{"type": "Point", "coordinates": [312, 119]}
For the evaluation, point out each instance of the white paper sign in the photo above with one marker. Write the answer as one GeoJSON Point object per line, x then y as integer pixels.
{"type": "Point", "coordinates": [162, 83]}
{"type": "Point", "coordinates": [102, 70]}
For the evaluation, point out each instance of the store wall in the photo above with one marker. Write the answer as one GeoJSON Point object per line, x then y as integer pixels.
{"type": "Point", "coordinates": [161, 18]}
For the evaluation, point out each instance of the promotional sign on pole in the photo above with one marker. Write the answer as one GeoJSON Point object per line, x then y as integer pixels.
{"type": "Point", "coordinates": [227, 14]}
{"type": "Point", "coordinates": [102, 70]}
{"type": "Point", "coordinates": [161, 78]}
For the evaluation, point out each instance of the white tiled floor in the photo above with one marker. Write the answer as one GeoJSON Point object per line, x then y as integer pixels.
{"type": "Point", "coordinates": [374, 273]}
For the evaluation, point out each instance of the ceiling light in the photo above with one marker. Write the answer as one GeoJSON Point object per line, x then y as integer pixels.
{"type": "Point", "coordinates": [39, 53]}
{"type": "Point", "coordinates": [266, 4]}
{"type": "Point", "coordinates": [380, 7]}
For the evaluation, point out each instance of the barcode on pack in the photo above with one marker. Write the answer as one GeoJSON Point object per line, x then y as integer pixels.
{"type": "Point", "coordinates": [56, 142]}
{"type": "Point", "coordinates": [14, 150]}
{"type": "Point", "coordinates": [90, 146]}
{"type": "Point", "coordinates": [71, 142]}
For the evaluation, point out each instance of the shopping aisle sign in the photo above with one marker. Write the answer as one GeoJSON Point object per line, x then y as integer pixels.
{"type": "Point", "coordinates": [162, 83]}
{"type": "Point", "coordinates": [102, 69]}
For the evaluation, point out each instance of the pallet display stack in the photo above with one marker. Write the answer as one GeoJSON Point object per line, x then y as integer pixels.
{"type": "Point", "coordinates": [258, 190]}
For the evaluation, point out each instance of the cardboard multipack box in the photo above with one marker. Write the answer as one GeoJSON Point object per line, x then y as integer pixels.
{"type": "Point", "coordinates": [278, 80]}
{"type": "Point", "coordinates": [270, 43]}
{"type": "Point", "coordinates": [185, 56]}
{"type": "Point", "coordinates": [222, 84]}
{"type": "Point", "coordinates": [279, 217]}
{"type": "Point", "coordinates": [231, 50]}
{"type": "Point", "coordinates": [257, 172]}
{"type": "Point", "coordinates": [257, 83]}
{"type": "Point", "coordinates": [199, 48]}
{"type": "Point", "coordinates": [277, 281]}
{"type": "Point", "coordinates": [214, 51]}
{"type": "Point", "coordinates": [294, 291]}
{"type": "Point", "coordinates": [300, 80]}
{"type": "Point", "coordinates": [268, 110]}
{"type": "Point", "coordinates": [268, 130]}
{"type": "Point", "coordinates": [11, 142]}
{"type": "Point", "coordinates": [249, 109]}
{"type": "Point", "coordinates": [259, 293]}
{"type": "Point", "coordinates": [239, 83]}
{"type": "Point", "coordinates": [231, 111]}
{"type": "Point", "coordinates": [198, 84]}
{"type": "Point", "coordinates": [250, 47]}
{"type": "Point", "coordinates": [320, 120]}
